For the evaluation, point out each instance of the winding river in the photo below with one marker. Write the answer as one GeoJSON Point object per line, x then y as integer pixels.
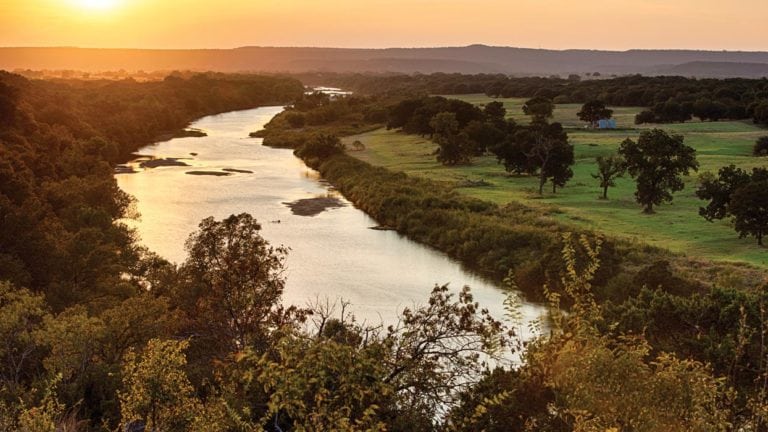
{"type": "Point", "coordinates": [333, 255]}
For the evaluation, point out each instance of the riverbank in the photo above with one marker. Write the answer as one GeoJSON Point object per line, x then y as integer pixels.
{"type": "Point", "coordinates": [514, 241]}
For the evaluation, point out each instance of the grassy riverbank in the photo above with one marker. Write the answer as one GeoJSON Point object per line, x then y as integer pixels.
{"type": "Point", "coordinates": [676, 226]}
{"type": "Point", "coordinates": [495, 235]}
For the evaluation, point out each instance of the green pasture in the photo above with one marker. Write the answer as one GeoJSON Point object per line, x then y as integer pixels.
{"type": "Point", "coordinates": [676, 226]}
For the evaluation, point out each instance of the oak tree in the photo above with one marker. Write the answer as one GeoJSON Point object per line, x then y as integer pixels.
{"type": "Point", "coordinates": [608, 170]}
{"type": "Point", "coordinates": [593, 111]}
{"type": "Point", "coordinates": [657, 160]}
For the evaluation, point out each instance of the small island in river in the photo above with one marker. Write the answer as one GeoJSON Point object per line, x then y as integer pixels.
{"type": "Point", "coordinates": [209, 173]}
{"type": "Point", "coordinates": [154, 163]}
{"type": "Point", "coordinates": [314, 206]}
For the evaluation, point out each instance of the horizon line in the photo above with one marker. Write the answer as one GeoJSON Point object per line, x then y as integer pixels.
{"type": "Point", "coordinates": [381, 48]}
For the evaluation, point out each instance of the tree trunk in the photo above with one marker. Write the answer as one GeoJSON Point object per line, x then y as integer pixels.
{"type": "Point", "coordinates": [554, 187]}
{"type": "Point", "coordinates": [759, 239]}
{"type": "Point", "coordinates": [648, 209]}
{"type": "Point", "coordinates": [542, 182]}
{"type": "Point", "coordinates": [605, 192]}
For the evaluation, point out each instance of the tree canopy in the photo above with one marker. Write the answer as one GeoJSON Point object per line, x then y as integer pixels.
{"type": "Point", "coordinates": [738, 194]}
{"type": "Point", "coordinates": [657, 161]}
{"type": "Point", "coordinates": [593, 111]}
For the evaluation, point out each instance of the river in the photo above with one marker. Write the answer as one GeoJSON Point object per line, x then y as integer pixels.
{"type": "Point", "coordinates": [333, 255]}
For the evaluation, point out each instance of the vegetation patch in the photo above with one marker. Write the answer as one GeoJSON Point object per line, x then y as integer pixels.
{"type": "Point", "coordinates": [314, 206]}
{"type": "Point", "coordinates": [674, 226]}
{"type": "Point", "coordinates": [166, 162]}
{"type": "Point", "coordinates": [208, 173]}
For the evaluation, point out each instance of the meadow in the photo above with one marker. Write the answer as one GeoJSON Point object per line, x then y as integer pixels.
{"type": "Point", "coordinates": [675, 226]}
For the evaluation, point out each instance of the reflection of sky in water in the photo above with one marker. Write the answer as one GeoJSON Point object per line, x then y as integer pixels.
{"type": "Point", "coordinates": [333, 254]}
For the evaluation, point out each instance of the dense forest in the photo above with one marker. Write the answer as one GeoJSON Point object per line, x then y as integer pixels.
{"type": "Point", "coordinates": [60, 140]}
{"type": "Point", "coordinates": [668, 98]}
{"type": "Point", "coordinates": [100, 334]}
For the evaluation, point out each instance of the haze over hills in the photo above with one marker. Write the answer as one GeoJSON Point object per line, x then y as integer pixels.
{"type": "Point", "coordinates": [469, 59]}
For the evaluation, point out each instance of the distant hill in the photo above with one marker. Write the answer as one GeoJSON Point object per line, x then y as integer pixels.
{"type": "Point", "coordinates": [470, 59]}
{"type": "Point", "coordinates": [718, 69]}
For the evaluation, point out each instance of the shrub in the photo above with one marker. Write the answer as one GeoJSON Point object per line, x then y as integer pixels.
{"type": "Point", "coordinates": [761, 147]}
{"type": "Point", "coordinates": [296, 120]}
{"type": "Point", "coordinates": [320, 147]}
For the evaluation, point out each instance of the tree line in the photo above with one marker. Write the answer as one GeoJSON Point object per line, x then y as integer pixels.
{"type": "Point", "coordinates": [669, 99]}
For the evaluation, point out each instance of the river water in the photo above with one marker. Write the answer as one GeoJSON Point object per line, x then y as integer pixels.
{"type": "Point", "coordinates": [333, 255]}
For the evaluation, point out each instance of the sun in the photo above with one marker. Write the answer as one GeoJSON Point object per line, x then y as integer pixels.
{"type": "Point", "coordinates": [97, 5]}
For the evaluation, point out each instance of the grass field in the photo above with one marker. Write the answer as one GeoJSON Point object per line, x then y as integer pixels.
{"type": "Point", "coordinates": [676, 226]}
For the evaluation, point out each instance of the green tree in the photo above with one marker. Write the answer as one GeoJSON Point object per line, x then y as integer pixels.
{"type": "Point", "coordinates": [455, 146]}
{"type": "Point", "coordinates": [320, 147]}
{"type": "Point", "coordinates": [49, 415]}
{"type": "Point", "coordinates": [595, 382]}
{"type": "Point", "coordinates": [718, 190]}
{"type": "Point", "coordinates": [295, 119]}
{"type": "Point", "coordinates": [21, 316]}
{"type": "Point", "coordinates": [608, 170]}
{"type": "Point", "coordinates": [706, 109]}
{"type": "Point", "coordinates": [156, 391]}
{"type": "Point", "coordinates": [73, 338]}
{"type": "Point", "coordinates": [551, 153]}
{"type": "Point", "coordinates": [495, 112]}
{"type": "Point", "coordinates": [761, 147]}
{"type": "Point", "coordinates": [357, 145]}
{"type": "Point", "coordinates": [321, 384]}
{"type": "Point", "coordinates": [441, 349]}
{"type": "Point", "coordinates": [512, 152]}
{"type": "Point", "coordinates": [657, 161]}
{"type": "Point", "coordinates": [540, 108]}
{"type": "Point", "coordinates": [604, 384]}
{"type": "Point", "coordinates": [484, 136]}
{"type": "Point", "coordinates": [749, 207]}
{"type": "Point", "coordinates": [234, 285]}
{"type": "Point", "coordinates": [736, 193]}
{"type": "Point", "coordinates": [593, 111]}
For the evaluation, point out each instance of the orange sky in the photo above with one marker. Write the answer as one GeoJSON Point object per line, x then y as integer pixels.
{"type": "Point", "coordinates": [558, 24]}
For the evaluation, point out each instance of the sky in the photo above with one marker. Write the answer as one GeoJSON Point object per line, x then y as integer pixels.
{"type": "Point", "coordinates": [553, 24]}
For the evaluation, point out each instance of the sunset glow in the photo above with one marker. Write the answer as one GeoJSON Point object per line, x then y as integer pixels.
{"type": "Point", "coordinates": [556, 24]}
{"type": "Point", "coordinates": [96, 5]}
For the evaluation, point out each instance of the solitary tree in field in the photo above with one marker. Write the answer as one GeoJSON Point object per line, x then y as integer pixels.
{"type": "Point", "coordinates": [357, 145]}
{"type": "Point", "coordinates": [594, 111]}
{"type": "Point", "coordinates": [608, 170]}
{"type": "Point", "coordinates": [749, 206]}
{"type": "Point", "coordinates": [540, 108]}
{"type": "Point", "coordinates": [657, 161]}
